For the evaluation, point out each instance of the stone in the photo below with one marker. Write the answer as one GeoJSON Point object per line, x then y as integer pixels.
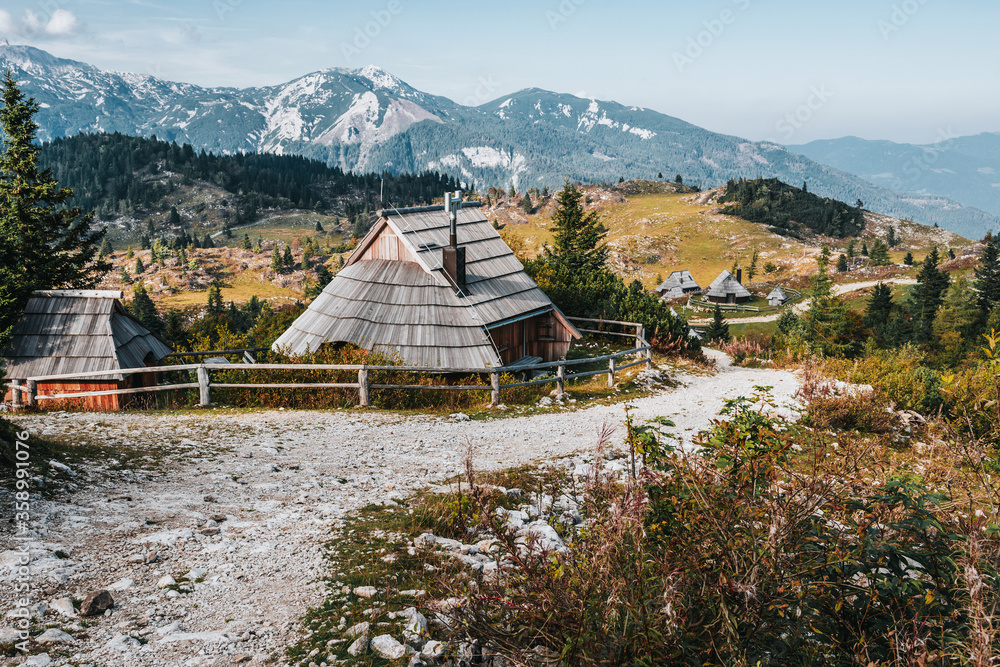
{"type": "Point", "coordinates": [63, 468]}
{"type": "Point", "coordinates": [209, 531]}
{"type": "Point", "coordinates": [209, 499]}
{"type": "Point", "coordinates": [96, 603]}
{"type": "Point", "coordinates": [218, 518]}
{"type": "Point", "coordinates": [152, 556]}
{"type": "Point", "coordinates": [10, 636]}
{"type": "Point", "coordinates": [361, 629]}
{"type": "Point", "coordinates": [433, 649]}
{"type": "Point", "coordinates": [459, 417]}
{"type": "Point", "coordinates": [366, 591]}
{"type": "Point", "coordinates": [40, 660]}
{"type": "Point", "coordinates": [416, 661]}
{"type": "Point", "coordinates": [135, 559]}
{"type": "Point", "coordinates": [169, 629]}
{"type": "Point", "coordinates": [166, 581]}
{"type": "Point", "coordinates": [63, 606]}
{"type": "Point", "coordinates": [385, 646]}
{"type": "Point", "coordinates": [123, 643]}
{"type": "Point", "coordinates": [54, 636]}
{"type": "Point", "coordinates": [195, 574]}
{"type": "Point", "coordinates": [240, 659]}
{"type": "Point", "coordinates": [414, 617]}
{"type": "Point", "coordinates": [359, 647]}
{"type": "Point", "coordinates": [120, 585]}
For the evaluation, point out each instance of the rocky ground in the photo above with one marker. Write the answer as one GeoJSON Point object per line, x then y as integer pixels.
{"type": "Point", "coordinates": [213, 553]}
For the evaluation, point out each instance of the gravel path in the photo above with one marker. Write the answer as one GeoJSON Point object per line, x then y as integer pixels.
{"type": "Point", "coordinates": [275, 482]}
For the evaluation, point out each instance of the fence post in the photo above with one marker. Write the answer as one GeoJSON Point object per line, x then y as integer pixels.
{"type": "Point", "coordinates": [649, 358]}
{"type": "Point", "coordinates": [363, 388]}
{"type": "Point", "coordinates": [561, 379]}
{"type": "Point", "coordinates": [204, 387]}
{"type": "Point", "coordinates": [611, 373]}
{"type": "Point", "coordinates": [495, 384]}
{"type": "Point", "coordinates": [15, 395]}
{"type": "Point", "coordinates": [32, 398]}
{"type": "Point", "coordinates": [640, 336]}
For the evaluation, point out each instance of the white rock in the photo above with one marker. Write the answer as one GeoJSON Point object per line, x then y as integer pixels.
{"type": "Point", "coordinates": [169, 629]}
{"type": "Point", "coordinates": [366, 591]}
{"type": "Point", "coordinates": [359, 647]}
{"type": "Point", "coordinates": [10, 636]}
{"type": "Point", "coordinates": [54, 636]}
{"type": "Point", "coordinates": [166, 581]}
{"type": "Point", "coordinates": [194, 574]}
{"type": "Point", "coordinates": [385, 646]}
{"type": "Point", "coordinates": [62, 467]}
{"type": "Point", "coordinates": [40, 660]}
{"type": "Point", "coordinates": [361, 629]}
{"type": "Point", "coordinates": [459, 417]}
{"type": "Point", "coordinates": [63, 606]}
{"type": "Point", "coordinates": [433, 649]}
{"type": "Point", "coordinates": [120, 585]}
{"type": "Point", "coordinates": [206, 637]}
{"type": "Point", "coordinates": [123, 643]}
{"type": "Point", "coordinates": [543, 536]}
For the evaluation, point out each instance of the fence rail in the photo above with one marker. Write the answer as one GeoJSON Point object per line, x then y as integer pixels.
{"type": "Point", "coordinates": [27, 393]}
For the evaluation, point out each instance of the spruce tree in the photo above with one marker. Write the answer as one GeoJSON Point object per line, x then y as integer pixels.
{"type": "Point", "coordinates": [247, 244]}
{"type": "Point", "coordinates": [579, 236]}
{"type": "Point", "coordinates": [718, 330]}
{"type": "Point", "coordinates": [908, 260]}
{"type": "Point", "coordinates": [880, 254]}
{"type": "Point", "coordinates": [43, 243]}
{"type": "Point", "coordinates": [143, 309]}
{"type": "Point", "coordinates": [140, 268]}
{"type": "Point", "coordinates": [827, 319]}
{"type": "Point", "coordinates": [215, 305]}
{"type": "Point", "coordinates": [842, 264]}
{"type": "Point", "coordinates": [892, 240]}
{"type": "Point", "coordinates": [288, 259]}
{"type": "Point", "coordinates": [106, 249]}
{"type": "Point", "coordinates": [529, 208]}
{"type": "Point", "coordinates": [928, 295]}
{"type": "Point", "coordinates": [864, 249]}
{"type": "Point", "coordinates": [276, 263]}
{"type": "Point", "coordinates": [319, 226]}
{"type": "Point", "coordinates": [988, 276]}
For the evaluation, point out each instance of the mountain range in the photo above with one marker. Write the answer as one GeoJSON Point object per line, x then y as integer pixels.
{"type": "Point", "coordinates": [369, 120]}
{"type": "Point", "coordinates": [966, 169]}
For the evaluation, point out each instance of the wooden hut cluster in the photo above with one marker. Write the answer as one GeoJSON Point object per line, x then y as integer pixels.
{"type": "Point", "coordinates": [437, 286]}
{"type": "Point", "coordinates": [65, 332]}
{"type": "Point", "coordinates": [728, 288]}
{"type": "Point", "coordinates": [678, 285]}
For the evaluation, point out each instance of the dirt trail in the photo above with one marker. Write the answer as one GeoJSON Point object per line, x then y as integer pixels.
{"type": "Point", "coordinates": [276, 482]}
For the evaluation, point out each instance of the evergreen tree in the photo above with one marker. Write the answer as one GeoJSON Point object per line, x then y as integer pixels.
{"type": "Point", "coordinates": [288, 259]}
{"type": "Point", "coordinates": [106, 249]}
{"type": "Point", "coordinates": [892, 240]}
{"type": "Point", "coordinates": [207, 242]}
{"type": "Point", "coordinates": [852, 247]}
{"type": "Point", "coordinates": [306, 259]}
{"type": "Point", "coordinates": [864, 249]}
{"type": "Point", "coordinates": [319, 226]}
{"type": "Point", "coordinates": [827, 319]}
{"type": "Point", "coordinates": [43, 244]}
{"type": "Point", "coordinates": [928, 295]}
{"type": "Point", "coordinates": [878, 312]}
{"type": "Point", "coordinates": [143, 309]}
{"type": "Point", "coordinates": [527, 205]}
{"type": "Point", "coordinates": [579, 236]}
{"type": "Point", "coordinates": [880, 254]}
{"type": "Point", "coordinates": [276, 263]}
{"type": "Point", "coordinates": [659, 177]}
{"type": "Point", "coordinates": [247, 244]}
{"type": "Point", "coordinates": [908, 260]}
{"type": "Point", "coordinates": [175, 218]}
{"type": "Point", "coordinates": [842, 266]}
{"type": "Point", "coordinates": [805, 188]}
{"type": "Point", "coordinates": [679, 180]}
{"type": "Point", "coordinates": [752, 270]}
{"type": "Point", "coordinates": [175, 332]}
{"type": "Point", "coordinates": [951, 253]}
{"type": "Point", "coordinates": [125, 277]}
{"type": "Point", "coordinates": [215, 305]}
{"type": "Point", "coordinates": [787, 321]}
{"type": "Point", "coordinates": [512, 193]}
{"type": "Point", "coordinates": [988, 275]}
{"type": "Point", "coordinates": [718, 330]}
{"type": "Point", "coordinates": [957, 323]}
{"type": "Point", "coordinates": [140, 268]}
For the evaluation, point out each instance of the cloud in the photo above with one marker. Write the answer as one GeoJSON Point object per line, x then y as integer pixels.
{"type": "Point", "coordinates": [7, 24]}
{"type": "Point", "coordinates": [63, 23]}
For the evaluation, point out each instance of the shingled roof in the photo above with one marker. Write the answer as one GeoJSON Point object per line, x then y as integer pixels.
{"type": "Point", "coordinates": [677, 285]}
{"type": "Point", "coordinates": [727, 284]}
{"type": "Point", "coordinates": [410, 307]}
{"type": "Point", "coordinates": [66, 331]}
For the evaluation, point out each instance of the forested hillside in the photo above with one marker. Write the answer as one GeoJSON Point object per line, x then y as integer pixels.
{"type": "Point", "coordinates": [128, 179]}
{"type": "Point", "coordinates": [788, 209]}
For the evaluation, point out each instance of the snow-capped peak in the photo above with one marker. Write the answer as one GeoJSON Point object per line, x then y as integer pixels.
{"type": "Point", "coordinates": [379, 78]}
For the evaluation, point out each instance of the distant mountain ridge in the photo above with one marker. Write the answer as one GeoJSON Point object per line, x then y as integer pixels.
{"type": "Point", "coordinates": [369, 120]}
{"type": "Point", "coordinates": [966, 169]}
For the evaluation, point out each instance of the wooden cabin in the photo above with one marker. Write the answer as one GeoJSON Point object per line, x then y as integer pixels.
{"type": "Point", "coordinates": [64, 332]}
{"type": "Point", "coordinates": [728, 288]}
{"type": "Point", "coordinates": [678, 285]}
{"type": "Point", "coordinates": [438, 287]}
{"type": "Point", "coordinates": [777, 297]}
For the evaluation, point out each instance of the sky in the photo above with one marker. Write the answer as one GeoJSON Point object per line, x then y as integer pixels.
{"type": "Point", "coordinates": [915, 71]}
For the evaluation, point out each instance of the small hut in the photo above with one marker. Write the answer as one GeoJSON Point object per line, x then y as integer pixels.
{"type": "Point", "coordinates": [777, 297]}
{"type": "Point", "coordinates": [728, 288]}
{"type": "Point", "coordinates": [437, 286]}
{"type": "Point", "coordinates": [64, 332]}
{"type": "Point", "coordinates": [678, 285]}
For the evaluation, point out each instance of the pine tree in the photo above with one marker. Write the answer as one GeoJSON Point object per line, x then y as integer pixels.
{"type": "Point", "coordinates": [852, 247]}
{"type": "Point", "coordinates": [827, 319]}
{"type": "Point", "coordinates": [319, 226]}
{"type": "Point", "coordinates": [527, 205]}
{"type": "Point", "coordinates": [957, 323]}
{"type": "Point", "coordinates": [679, 180]}
{"type": "Point", "coordinates": [106, 249]}
{"type": "Point", "coordinates": [842, 266]}
{"type": "Point", "coordinates": [951, 253]}
{"type": "Point", "coordinates": [892, 240]}
{"type": "Point", "coordinates": [306, 259]}
{"type": "Point", "coordinates": [43, 244]}
{"type": "Point", "coordinates": [988, 275]}
{"type": "Point", "coordinates": [928, 295]}
{"type": "Point", "coordinates": [207, 242]}
{"type": "Point", "coordinates": [752, 270]}
{"type": "Point", "coordinates": [908, 260]}
{"type": "Point", "coordinates": [659, 177]}
{"type": "Point", "coordinates": [276, 263]}
{"type": "Point", "coordinates": [140, 268]}
{"type": "Point", "coordinates": [247, 244]}
{"type": "Point", "coordinates": [718, 330]}
{"type": "Point", "coordinates": [880, 254]}
{"type": "Point", "coordinates": [805, 188]}
{"type": "Point", "coordinates": [864, 249]}
{"type": "Point", "coordinates": [579, 236]}
{"type": "Point", "coordinates": [215, 304]}
{"type": "Point", "coordinates": [288, 259]}
{"type": "Point", "coordinates": [143, 309]}
{"type": "Point", "coordinates": [175, 218]}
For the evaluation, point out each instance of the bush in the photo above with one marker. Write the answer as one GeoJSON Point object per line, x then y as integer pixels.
{"type": "Point", "coordinates": [900, 375]}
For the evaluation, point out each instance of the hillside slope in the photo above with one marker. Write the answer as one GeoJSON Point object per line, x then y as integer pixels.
{"type": "Point", "coordinates": [369, 120]}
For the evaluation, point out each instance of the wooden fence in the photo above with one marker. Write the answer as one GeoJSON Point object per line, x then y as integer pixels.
{"type": "Point", "coordinates": [27, 394]}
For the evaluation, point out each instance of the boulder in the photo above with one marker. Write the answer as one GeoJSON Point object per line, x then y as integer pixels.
{"type": "Point", "coordinates": [123, 643]}
{"type": "Point", "coordinates": [63, 606]}
{"type": "Point", "coordinates": [166, 581]}
{"type": "Point", "coordinates": [366, 591]}
{"type": "Point", "coordinates": [359, 630]}
{"type": "Point", "coordinates": [96, 603]}
{"type": "Point", "coordinates": [385, 646]}
{"type": "Point", "coordinates": [359, 647]}
{"type": "Point", "coordinates": [54, 636]}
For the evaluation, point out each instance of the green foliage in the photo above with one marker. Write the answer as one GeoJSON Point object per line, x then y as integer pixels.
{"type": "Point", "coordinates": [782, 206]}
{"type": "Point", "coordinates": [891, 240]}
{"type": "Point", "coordinates": [528, 207]}
{"type": "Point", "coordinates": [142, 308]}
{"type": "Point", "coordinates": [988, 275]}
{"type": "Point", "coordinates": [276, 263]}
{"type": "Point", "coordinates": [927, 297]}
{"type": "Point", "coordinates": [879, 254]}
{"type": "Point", "coordinates": [287, 259]}
{"type": "Point", "coordinates": [718, 330]}
{"type": "Point", "coordinates": [842, 266]}
{"type": "Point", "coordinates": [43, 243]}
{"type": "Point", "coordinates": [579, 236]}
{"type": "Point", "coordinates": [908, 260]}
